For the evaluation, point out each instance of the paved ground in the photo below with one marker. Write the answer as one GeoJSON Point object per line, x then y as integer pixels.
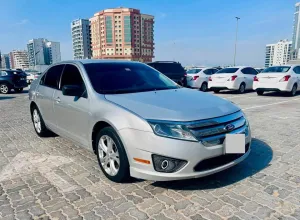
{"type": "Point", "coordinates": [54, 179]}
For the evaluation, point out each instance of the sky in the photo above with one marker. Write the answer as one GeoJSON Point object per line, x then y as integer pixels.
{"type": "Point", "coordinates": [193, 32]}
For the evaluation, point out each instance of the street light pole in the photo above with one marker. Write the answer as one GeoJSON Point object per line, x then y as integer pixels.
{"type": "Point", "coordinates": [236, 34]}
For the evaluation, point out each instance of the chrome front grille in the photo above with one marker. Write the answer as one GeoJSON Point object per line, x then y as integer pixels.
{"type": "Point", "coordinates": [212, 132]}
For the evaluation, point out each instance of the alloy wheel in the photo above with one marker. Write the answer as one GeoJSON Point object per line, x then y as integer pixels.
{"type": "Point", "coordinates": [4, 88]}
{"type": "Point", "coordinates": [37, 121]}
{"type": "Point", "coordinates": [109, 155]}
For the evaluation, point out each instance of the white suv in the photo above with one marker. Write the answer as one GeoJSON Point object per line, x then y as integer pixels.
{"type": "Point", "coordinates": [278, 78]}
{"type": "Point", "coordinates": [233, 78]}
{"type": "Point", "coordinates": [198, 77]}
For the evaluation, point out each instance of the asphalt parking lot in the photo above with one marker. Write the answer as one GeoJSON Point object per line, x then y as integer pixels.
{"type": "Point", "coordinates": [52, 178]}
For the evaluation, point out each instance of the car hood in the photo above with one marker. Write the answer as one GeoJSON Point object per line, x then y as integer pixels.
{"type": "Point", "coordinates": [174, 105]}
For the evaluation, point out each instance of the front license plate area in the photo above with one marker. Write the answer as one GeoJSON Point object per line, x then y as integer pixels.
{"type": "Point", "coordinates": [235, 144]}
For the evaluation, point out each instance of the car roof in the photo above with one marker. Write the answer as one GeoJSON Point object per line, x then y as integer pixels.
{"type": "Point", "coordinates": [87, 61]}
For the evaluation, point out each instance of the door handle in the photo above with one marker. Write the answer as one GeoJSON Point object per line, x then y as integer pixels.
{"type": "Point", "coordinates": [57, 100]}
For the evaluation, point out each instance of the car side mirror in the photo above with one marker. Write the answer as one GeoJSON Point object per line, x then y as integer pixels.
{"type": "Point", "coordinates": [72, 90]}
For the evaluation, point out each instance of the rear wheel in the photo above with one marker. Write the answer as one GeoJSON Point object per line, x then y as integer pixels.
{"type": "Point", "coordinates": [293, 92]}
{"type": "Point", "coordinates": [260, 92]}
{"type": "Point", "coordinates": [216, 90]}
{"type": "Point", "coordinates": [4, 88]}
{"type": "Point", "coordinates": [38, 123]}
{"type": "Point", "coordinates": [242, 88]}
{"type": "Point", "coordinates": [203, 87]}
{"type": "Point", "coordinates": [112, 156]}
{"type": "Point", "coordinates": [19, 90]}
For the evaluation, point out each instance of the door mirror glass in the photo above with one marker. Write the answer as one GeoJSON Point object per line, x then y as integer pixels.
{"type": "Point", "coordinates": [72, 90]}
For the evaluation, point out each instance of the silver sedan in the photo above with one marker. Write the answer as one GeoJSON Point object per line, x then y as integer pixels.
{"type": "Point", "coordinates": [138, 122]}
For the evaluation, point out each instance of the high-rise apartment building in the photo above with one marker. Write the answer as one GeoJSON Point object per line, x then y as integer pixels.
{"type": "Point", "coordinates": [278, 54]}
{"type": "Point", "coordinates": [296, 34]}
{"type": "Point", "coordinates": [122, 33]}
{"type": "Point", "coordinates": [19, 59]}
{"type": "Point", "coordinates": [43, 52]}
{"type": "Point", "coordinates": [4, 61]}
{"type": "Point", "coordinates": [52, 52]}
{"type": "Point", "coordinates": [81, 39]}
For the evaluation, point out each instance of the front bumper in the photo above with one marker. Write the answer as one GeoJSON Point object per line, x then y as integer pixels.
{"type": "Point", "coordinates": [277, 86]}
{"type": "Point", "coordinates": [230, 85]}
{"type": "Point", "coordinates": [140, 144]}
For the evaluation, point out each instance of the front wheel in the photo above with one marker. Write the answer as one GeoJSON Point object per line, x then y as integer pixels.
{"type": "Point", "coordinates": [112, 156]}
{"type": "Point", "coordinates": [260, 92]}
{"type": "Point", "coordinates": [4, 88]}
{"type": "Point", "coordinates": [293, 92]}
{"type": "Point", "coordinates": [19, 90]}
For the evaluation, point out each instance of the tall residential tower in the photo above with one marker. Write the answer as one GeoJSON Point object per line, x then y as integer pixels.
{"type": "Point", "coordinates": [122, 33]}
{"type": "Point", "coordinates": [81, 39]}
{"type": "Point", "coordinates": [19, 59]}
{"type": "Point", "coordinates": [296, 34]}
{"type": "Point", "coordinates": [43, 52]}
{"type": "Point", "coordinates": [278, 54]}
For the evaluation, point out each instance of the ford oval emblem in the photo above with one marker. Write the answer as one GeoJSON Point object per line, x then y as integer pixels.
{"type": "Point", "coordinates": [229, 127]}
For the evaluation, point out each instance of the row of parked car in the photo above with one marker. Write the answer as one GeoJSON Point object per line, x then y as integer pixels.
{"type": "Point", "coordinates": [239, 78]}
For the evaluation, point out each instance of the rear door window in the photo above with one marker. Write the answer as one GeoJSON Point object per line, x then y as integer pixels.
{"type": "Point", "coordinates": [52, 77]}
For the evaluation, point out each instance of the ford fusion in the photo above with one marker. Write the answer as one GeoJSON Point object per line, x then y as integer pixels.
{"type": "Point", "coordinates": [138, 122]}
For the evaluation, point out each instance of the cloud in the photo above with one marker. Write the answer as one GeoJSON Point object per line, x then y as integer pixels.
{"type": "Point", "coordinates": [22, 22]}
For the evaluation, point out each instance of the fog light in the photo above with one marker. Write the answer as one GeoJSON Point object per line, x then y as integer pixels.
{"type": "Point", "coordinates": [167, 164]}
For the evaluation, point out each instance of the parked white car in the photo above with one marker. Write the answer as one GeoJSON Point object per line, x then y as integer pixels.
{"type": "Point", "coordinates": [197, 78]}
{"type": "Point", "coordinates": [278, 78]}
{"type": "Point", "coordinates": [239, 78]}
{"type": "Point", "coordinates": [29, 78]}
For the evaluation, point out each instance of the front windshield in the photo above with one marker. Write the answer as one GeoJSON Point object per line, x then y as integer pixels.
{"type": "Point", "coordinates": [276, 69]}
{"type": "Point", "coordinates": [118, 78]}
{"type": "Point", "coordinates": [227, 70]}
{"type": "Point", "coordinates": [193, 71]}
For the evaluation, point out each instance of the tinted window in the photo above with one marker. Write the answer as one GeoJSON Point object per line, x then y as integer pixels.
{"type": "Point", "coordinates": [276, 69]}
{"type": "Point", "coordinates": [71, 76]}
{"type": "Point", "coordinates": [193, 71]}
{"type": "Point", "coordinates": [207, 72]}
{"type": "Point", "coordinates": [214, 71]}
{"type": "Point", "coordinates": [227, 70]}
{"type": "Point", "coordinates": [297, 69]}
{"type": "Point", "coordinates": [168, 67]}
{"type": "Point", "coordinates": [53, 76]}
{"type": "Point", "coordinates": [249, 71]}
{"type": "Point", "coordinates": [113, 78]}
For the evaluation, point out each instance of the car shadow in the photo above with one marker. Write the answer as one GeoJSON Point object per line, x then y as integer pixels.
{"type": "Point", "coordinates": [6, 97]}
{"type": "Point", "coordinates": [278, 94]}
{"type": "Point", "coordinates": [259, 158]}
{"type": "Point", "coordinates": [232, 92]}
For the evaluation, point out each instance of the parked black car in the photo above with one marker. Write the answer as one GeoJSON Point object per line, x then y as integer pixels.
{"type": "Point", "coordinates": [12, 79]}
{"type": "Point", "coordinates": [171, 69]}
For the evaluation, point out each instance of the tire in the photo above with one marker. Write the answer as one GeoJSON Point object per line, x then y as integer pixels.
{"type": "Point", "coordinates": [294, 90]}
{"type": "Point", "coordinates": [19, 90]}
{"type": "Point", "coordinates": [38, 123]}
{"type": "Point", "coordinates": [5, 88]}
{"type": "Point", "coordinates": [203, 87]}
{"type": "Point", "coordinates": [242, 88]}
{"type": "Point", "coordinates": [117, 165]}
{"type": "Point", "coordinates": [216, 90]}
{"type": "Point", "coordinates": [260, 92]}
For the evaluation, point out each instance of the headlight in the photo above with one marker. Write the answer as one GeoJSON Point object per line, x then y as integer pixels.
{"type": "Point", "coordinates": [171, 130]}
